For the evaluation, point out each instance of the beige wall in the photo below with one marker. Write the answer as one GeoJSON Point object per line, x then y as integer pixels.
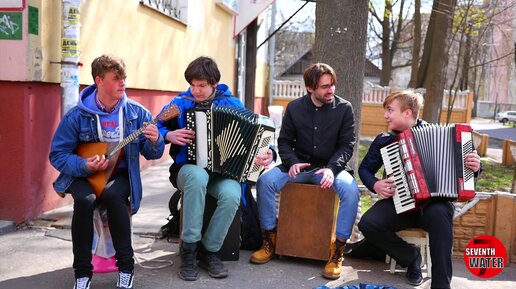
{"type": "Point", "coordinates": [155, 47]}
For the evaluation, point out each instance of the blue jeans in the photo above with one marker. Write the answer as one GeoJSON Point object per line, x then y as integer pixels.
{"type": "Point", "coordinates": [195, 182]}
{"type": "Point", "coordinates": [270, 183]}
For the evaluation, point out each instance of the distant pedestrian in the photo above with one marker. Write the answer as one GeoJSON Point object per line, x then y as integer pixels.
{"type": "Point", "coordinates": [103, 114]}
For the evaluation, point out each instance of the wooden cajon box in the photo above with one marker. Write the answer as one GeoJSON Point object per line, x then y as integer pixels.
{"type": "Point", "coordinates": [306, 221]}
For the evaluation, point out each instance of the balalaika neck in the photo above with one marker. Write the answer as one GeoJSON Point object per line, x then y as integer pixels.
{"type": "Point", "coordinates": [130, 138]}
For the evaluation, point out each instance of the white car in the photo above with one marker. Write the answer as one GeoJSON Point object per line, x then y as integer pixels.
{"type": "Point", "coordinates": [506, 116]}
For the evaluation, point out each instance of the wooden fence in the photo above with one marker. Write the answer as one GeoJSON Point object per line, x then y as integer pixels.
{"type": "Point", "coordinates": [373, 122]}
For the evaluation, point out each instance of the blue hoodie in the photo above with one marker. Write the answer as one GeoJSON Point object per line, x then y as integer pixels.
{"type": "Point", "coordinates": [223, 96]}
{"type": "Point", "coordinates": [81, 125]}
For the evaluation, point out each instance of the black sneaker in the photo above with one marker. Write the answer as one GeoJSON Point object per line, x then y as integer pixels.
{"type": "Point", "coordinates": [414, 275]}
{"type": "Point", "coordinates": [188, 270]}
{"type": "Point", "coordinates": [211, 262]}
{"type": "Point", "coordinates": [125, 280]}
{"type": "Point", "coordinates": [82, 283]}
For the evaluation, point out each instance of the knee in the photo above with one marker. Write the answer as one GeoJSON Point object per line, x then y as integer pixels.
{"type": "Point", "coordinates": [231, 196]}
{"type": "Point", "coordinates": [87, 202]}
{"type": "Point", "coordinates": [193, 175]}
{"type": "Point", "coordinates": [265, 179]}
{"type": "Point", "coordinates": [439, 212]}
{"type": "Point", "coordinates": [112, 197]}
{"type": "Point", "coordinates": [365, 225]}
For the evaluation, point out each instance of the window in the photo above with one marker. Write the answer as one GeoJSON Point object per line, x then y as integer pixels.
{"type": "Point", "coordinates": [177, 9]}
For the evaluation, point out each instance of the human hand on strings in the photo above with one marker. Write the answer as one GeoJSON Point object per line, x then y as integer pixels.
{"type": "Point", "coordinates": [296, 168]}
{"type": "Point", "coordinates": [472, 161]}
{"type": "Point", "coordinates": [264, 159]}
{"type": "Point", "coordinates": [97, 163]}
{"type": "Point", "coordinates": [385, 188]}
{"type": "Point", "coordinates": [151, 132]}
{"type": "Point", "coordinates": [327, 179]}
{"type": "Point", "coordinates": [180, 137]}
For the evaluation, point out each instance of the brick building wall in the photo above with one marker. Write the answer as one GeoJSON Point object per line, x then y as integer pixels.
{"type": "Point", "coordinates": [492, 215]}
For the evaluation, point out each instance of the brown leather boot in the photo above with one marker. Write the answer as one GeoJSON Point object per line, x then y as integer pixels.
{"type": "Point", "coordinates": [334, 266]}
{"type": "Point", "coordinates": [267, 251]}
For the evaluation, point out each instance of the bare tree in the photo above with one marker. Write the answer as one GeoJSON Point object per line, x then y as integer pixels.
{"type": "Point", "coordinates": [340, 40]}
{"type": "Point", "coordinates": [431, 73]}
{"type": "Point", "coordinates": [392, 26]}
{"type": "Point", "coordinates": [416, 46]}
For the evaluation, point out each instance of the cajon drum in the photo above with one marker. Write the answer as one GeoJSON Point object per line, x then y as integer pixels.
{"type": "Point", "coordinates": [306, 221]}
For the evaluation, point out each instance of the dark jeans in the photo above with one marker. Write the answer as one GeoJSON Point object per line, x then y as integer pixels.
{"type": "Point", "coordinates": [380, 223]}
{"type": "Point", "coordinates": [114, 198]}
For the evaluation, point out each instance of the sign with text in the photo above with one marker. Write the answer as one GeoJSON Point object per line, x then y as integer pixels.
{"type": "Point", "coordinates": [11, 25]}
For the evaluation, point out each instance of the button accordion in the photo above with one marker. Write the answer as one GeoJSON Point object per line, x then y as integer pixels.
{"type": "Point", "coordinates": [227, 140]}
{"type": "Point", "coordinates": [428, 162]}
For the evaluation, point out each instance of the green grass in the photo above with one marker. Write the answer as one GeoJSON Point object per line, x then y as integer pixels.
{"type": "Point", "coordinates": [494, 177]}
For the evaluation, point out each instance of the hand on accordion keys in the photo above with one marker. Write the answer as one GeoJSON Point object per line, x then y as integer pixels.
{"type": "Point", "coordinates": [385, 187]}
{"type": "Point", "coordinates": [472, 161]}
{"type": "Point", "coordinates": [180, 137]}
{"type": "Point", "coordinates": [264, 159]}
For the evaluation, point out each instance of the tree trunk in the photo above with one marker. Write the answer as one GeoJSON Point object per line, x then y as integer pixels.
{"type": "Point", "coordinates": [385, 74]}
{"type": "Point", "coordinates": [250, 64]}
{"type": "Point", "coordinates": [431, 74]}
{"type": "Point", "coordinates": [340, 41]}
{"type": "Point", "coordinates": [416, 46]}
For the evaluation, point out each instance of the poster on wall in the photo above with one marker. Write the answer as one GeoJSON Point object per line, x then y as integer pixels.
{"type": "Point", "coordinates": [33, 20]}
{"type": "Point", "coordinates": [11, 25]}
{"type": "Point", "coordinates": [12, 5]}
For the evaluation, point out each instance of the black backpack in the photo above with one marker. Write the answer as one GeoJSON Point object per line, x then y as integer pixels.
{"type": "Point", "coordinates": [250, 233]}
{"type": "Point", "coordinates": [171, 229]}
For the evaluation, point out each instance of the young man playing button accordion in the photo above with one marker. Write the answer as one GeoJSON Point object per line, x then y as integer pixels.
{"type": "Point", "coordinates": [194, 180]}
{"type": "Point", "coordinates": [381, 222]}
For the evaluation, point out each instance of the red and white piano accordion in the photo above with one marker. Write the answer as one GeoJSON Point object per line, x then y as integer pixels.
{"type": "Point", "coordinates": [426, 162]}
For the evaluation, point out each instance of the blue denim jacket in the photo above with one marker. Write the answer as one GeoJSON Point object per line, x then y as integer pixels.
{"type": "Point", "coordinates": [79, 126]}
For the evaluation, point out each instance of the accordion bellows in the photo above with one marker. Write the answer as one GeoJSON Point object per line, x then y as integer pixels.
{"type": "Point", "coordinates": [428, 162]}
{"type": "Point", "coordinates": [227, 140]}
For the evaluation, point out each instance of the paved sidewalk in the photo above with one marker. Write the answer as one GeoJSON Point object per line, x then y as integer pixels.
{"type": "Point", "coordinates": [41, 257]}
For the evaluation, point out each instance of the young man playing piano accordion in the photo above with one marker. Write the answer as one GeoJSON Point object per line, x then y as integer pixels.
{"type": "Point", "coordinates": [195, 181]}
{"type": "Point", "coordinates": [315, 143]}
{"type": "Point", "coordinates": [103, 115]}
{"type": "Point", "coordinates": [381, 221]}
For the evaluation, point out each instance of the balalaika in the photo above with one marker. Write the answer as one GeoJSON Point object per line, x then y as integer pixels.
{"type": "Point", "coordinates": [428, 162]}
{"type": "Point", "coordinates": [227, 140]}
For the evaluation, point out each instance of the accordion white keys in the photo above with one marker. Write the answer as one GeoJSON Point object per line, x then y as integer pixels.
{"type": "Point", "coordinates": [428, 162]}
{"type": "Point", "coordinates": [227, 140]}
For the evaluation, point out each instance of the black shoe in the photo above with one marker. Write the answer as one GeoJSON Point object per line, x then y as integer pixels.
{"type": "Point", "coordinates": [188, 269]}
{"type": "Point", "coordinates": [211, 262]}
{"type": "Point", "coordinates": [413, 275]}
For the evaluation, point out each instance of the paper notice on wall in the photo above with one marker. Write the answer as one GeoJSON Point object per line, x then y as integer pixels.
{"type": "Point", "coordinates": [69, 77]}
{"type": "Point", "coordinates": [73, 17]}
{"type": "Point", "coordinates": [70, 47]}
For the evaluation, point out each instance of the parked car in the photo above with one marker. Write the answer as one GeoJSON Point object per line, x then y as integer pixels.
{"type": "Point", "coordinates": [506, 116]}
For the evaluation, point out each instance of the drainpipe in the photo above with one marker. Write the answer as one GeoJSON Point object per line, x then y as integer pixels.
{"type": "Point", "coordinates": [272, 52]}
{"type": "Point", "coordinates": [70, 37]}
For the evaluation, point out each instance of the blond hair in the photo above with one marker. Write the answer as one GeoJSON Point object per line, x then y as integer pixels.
{"type": "Point", "coordinates": [408, 100]}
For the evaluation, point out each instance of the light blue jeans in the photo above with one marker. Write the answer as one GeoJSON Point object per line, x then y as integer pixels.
{"type": "Point", "coordinates": [270, 183]}
{"type": "Point", "coordinates": [195, 182]}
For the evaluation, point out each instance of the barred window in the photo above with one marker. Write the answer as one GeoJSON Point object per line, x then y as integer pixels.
{"type": "Point", "coordinates": [177, 9]}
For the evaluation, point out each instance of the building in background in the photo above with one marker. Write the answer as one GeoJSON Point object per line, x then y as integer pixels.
{"type": "Point", "coordinates": [156, 39]}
